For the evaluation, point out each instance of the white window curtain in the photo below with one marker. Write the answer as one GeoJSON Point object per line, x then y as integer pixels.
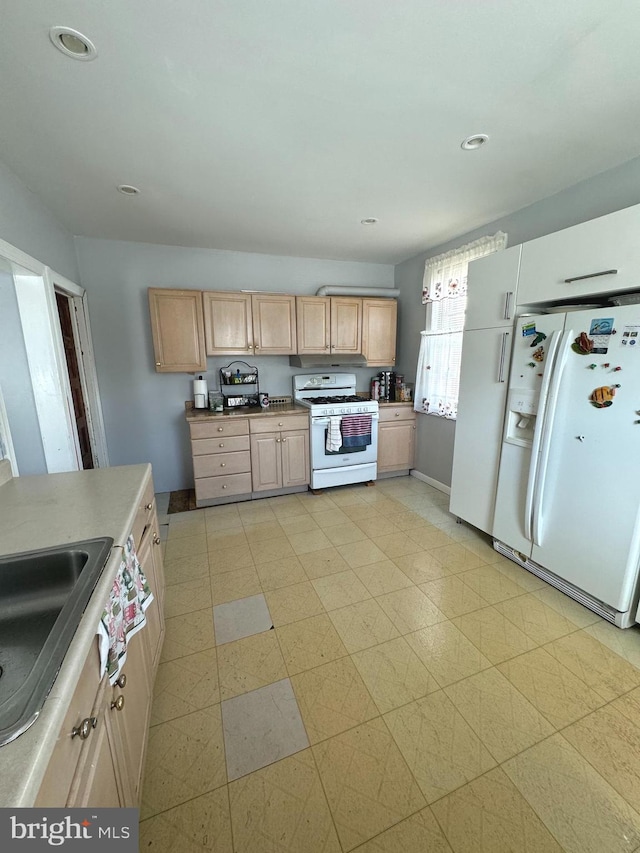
{"type": "Point", "coordinates": [444, 291]}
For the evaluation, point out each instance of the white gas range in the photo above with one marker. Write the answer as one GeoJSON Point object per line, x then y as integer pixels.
{"type": "Point", "coordinates": [344, 429]}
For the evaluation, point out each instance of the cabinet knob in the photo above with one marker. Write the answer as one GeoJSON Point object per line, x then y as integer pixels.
{"type": "Point", "coordinates": [122, 681]}
{"type": "Point", "coordinates": [397, 414]}
{"type": "Point", "coordinates": [327, 346]}
{"type": "Point", "coordinates": [284, 440]}
{"type": "Point", "coordinates": [256, 346]}
{"type": "Point", "coordinates": [278, 440]}
{"type": "Point", "coordinates": [156, 539]}
{"type": "Point", "coordinates": [225, 487]}
{"type": "Point", "coordinates": [223, 464]}
{"type": "Point", "coordinates": [118, 704]}
{"type": "Point", "coordinates": [149, 507]}
{"type": "Point", "coordinates": [280, 423]}
{"type": "Point", "coordinates": [219, 429]}
{"type": "Point", "coordinates": [158, 364]}
{"type": "Point", "coordinates": [221, 444]}
{"type": "Point", "coordinates": [85, 727]}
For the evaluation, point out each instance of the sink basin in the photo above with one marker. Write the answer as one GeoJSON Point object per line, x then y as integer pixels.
{"type": "Point", "coordinates": [43, 595]}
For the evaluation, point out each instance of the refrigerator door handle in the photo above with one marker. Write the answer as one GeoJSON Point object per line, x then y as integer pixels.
{"type": "Point", "coordinates": [503, 353]}
{"type": "Point", "coordinates": [537, 433]}
{"type": "Point", "coordinates": [547, 431]}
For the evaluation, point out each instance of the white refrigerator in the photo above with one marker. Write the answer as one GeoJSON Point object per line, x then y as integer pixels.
{"type": "Point", "coordinates": [568, 494]}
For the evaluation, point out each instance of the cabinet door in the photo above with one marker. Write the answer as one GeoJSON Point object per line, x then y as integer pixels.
{"type": "Point", "coordinates": [313, 315]}
{"type": "Point", "coordinates": [295, 458]}
{"type": "Point", "coordinates": [266, 461]}
{"type": "Point", "coordinates": [396, 444]}
{"type": "Point", "coordinates": [484, 372]}
{"type": "Point", "coordinates": [492, 285]}
{"type": "Point", "coordinates": [274, 324]}
{"type": "Point", "coordinates": [177, 328]}
{"type": "Point", "coordinates": [607, 243]}
{"type": "Point", "coordinates": [379, 324]}
{"type": "Point", "coordinates": [150, 557]}
{"type": "Point", "coordinates": [227, 323]}
{"type": "Point", "coordinates": [346, 324]}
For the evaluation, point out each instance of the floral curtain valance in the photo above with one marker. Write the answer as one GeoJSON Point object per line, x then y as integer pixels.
{"type": "Point", "coordinates": [445, 275]}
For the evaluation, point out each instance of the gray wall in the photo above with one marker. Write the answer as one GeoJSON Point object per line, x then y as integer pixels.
{"type": "Point", "coordinates": [144, 410]}
{"type": "Point", "coordinates": [609, 191]}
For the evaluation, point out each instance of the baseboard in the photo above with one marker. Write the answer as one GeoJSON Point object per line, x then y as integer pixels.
{"type": "Point", "coordinates": [441, 487]}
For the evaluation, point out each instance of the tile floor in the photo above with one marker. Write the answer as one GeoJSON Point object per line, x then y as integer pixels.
{"type": "Point", "coordinates": [356, 671]}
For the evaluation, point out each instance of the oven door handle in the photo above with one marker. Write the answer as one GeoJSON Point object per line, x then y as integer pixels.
{"type": "Point", "coordinates": [327, 420]}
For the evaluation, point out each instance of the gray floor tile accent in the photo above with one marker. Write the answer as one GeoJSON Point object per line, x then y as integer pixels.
{"type": "Point", "coordinates": [241, 618]}
{"type": "Point", "coordinates": [261, 727]}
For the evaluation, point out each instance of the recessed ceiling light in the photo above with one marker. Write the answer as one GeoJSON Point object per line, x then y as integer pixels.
{"type": "Point", "coordinates": [127, 189]}
{"type": "Point", "coordinates": [475, 141]}
{"type": "Point", "coordinates": [72, 43]}
{"type": "Point", "coordinates": [370, 221]}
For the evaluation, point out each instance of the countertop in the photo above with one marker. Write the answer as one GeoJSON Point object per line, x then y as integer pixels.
{"type": "Point", "coordinates": [48, 510]}
{"type": "Point", "coordinates": [277, 410]}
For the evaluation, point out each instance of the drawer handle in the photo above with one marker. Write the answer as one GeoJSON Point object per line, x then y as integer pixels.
{"type": "Point", "coordinates": [397, 414]}
{"type": "Point", "coordinates": [591, 275]}
{"type": "Point", "coordinates": [507, 304]}
{"type": "Point", "coordinates": [223, 464]}
{"type": "Point", "coordinates": [149, 507]}
{"type": "Point", "coordinates": [118, 704]}
{"type": "Point", "coordinates": [221, 444]}
{"type": "Point", "coordinates": [85, 727]}
{"type": "Point", "coordinates": [219, 429]}
{"type": "Point", "coordinates": [122, 681]}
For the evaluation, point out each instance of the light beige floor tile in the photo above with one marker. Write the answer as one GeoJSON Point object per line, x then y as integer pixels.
{"type": "Point", "coordinates": [230, 586]}
{"type": "Point", "coordinates": [309, 541]}
{"type": "Point", "coordinates": [222, 523]}
{"type": "Point", "coordinates": [185, 758]}
{"type": "Point", "coordinates": [527, 580]}
{"type": "Point", "coordinates": [332, 698]}
{"type": "Point", "coordinates": [490, 815]}
{"type": "Point", "coordinates": [233, 538]}
{"type": "Point", "coordinates": [383, 577]}
{"type": "Point", "coordinates": [249, 663]}
{"type": "Point", "coordinates": [282, 809]}
{"type": "Point", "coordinates": [340, 589]}
{"type": "Point", "coordinates": [430, 537]}
{"type": "Point", "coordinates": [292, 603]}
{"type": "Point", "coordinates": [457, 558]}
{"type": "Point", "coordinates": [319, 564]}
{"type": "Point", "coordinates": [362, 625]}
{"type": "Point", "coordinates": [226, 511]}
{"type": "Point", "coordinates": [199, 825]}
{"type": "Point", "coordinates": [419, 833]}
{"type": "Point", "coordinates": [491, 584]}
{"type": "Point", "coordinates": [346, 496]}
{"type": "Point", "coordinates": [438, 745]}
{"type": "Point", "coordinates": [452, 596]}
{"type": "Point", "coordinates": [193, 525]}
{"type": "Point", "coordinates": [502, 718]}
{"type": "Point", "coordinates": [288, 507]}
{"type": "Point", "coordinates": [393, 674]}
{"type": "Point", "coordinates": [297, 524]}
{"type": "Point", "coordinates": [624, 643]}
{"type": "Point", "coordinates": [186, 569]}
{"type": "Point", "coordinates": [255, 512]}
{"type": "Point", "coordinates": [330, 518]}
{"type": "Point", "coordinates": [610, 742]}
{"type": "Point", "coordinates": [566, 606]}
{"type": "Point", "coordinates": [344, 534]}
{"type": "Point", "coordinates": [421, 567]}
{"type": "Point", "coordinates": [309, 643]}
{"type": "Point", "coordinates": [187, 546]}
{"type": "Point", "coordinates": [360, 511]}
{"type": "Point", "coordinates": [279, 573]}
{"type": "Point", "coordinates": [263, 531]}
{"type": "Point", "coordinates": [629, 705]}
{"type": "Point", "coordinates": [496, 637]}
{"type": "Point", "coordinates": [576, 804]}
{"type": "Point", "coordinates": [557, 693]}
{"type": "Point", "coordinates": [406, 520]}
{"type": "Point", "coordinates": [185, 685]}
{"type": "Point", "coordinates": [188, 634]}
{"type": "Point", "coordinates": [230, 560]}
{"type": "Point", "coordinates": [187, 596]}
{"type": "Point", "coordinates": [446, 653]}
{"type": "Point", "coordinates": [483, 547]}
{"type": "Point", "coordinates": [377, 526]}
{"type": "Point", "coordinates": [361, 553]}
{"type": "Point", "coordinates": [595, 664]}
{"type": "Point", "coordinates": [316, 503]}
{"type": "Point", "coordinates": [272, 549]}
{"type": "Point", "coordinates": [409, 609]}
{"type": "Point", "coordinates": [367, 782]}
{"type": "Point", "coordinates": [541, 623]}
{"type": "Point", "coordinates": [396, 545]}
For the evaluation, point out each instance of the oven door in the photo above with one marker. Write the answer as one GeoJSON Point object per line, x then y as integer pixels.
{"type": "Point", "coordinates": [322, 458]}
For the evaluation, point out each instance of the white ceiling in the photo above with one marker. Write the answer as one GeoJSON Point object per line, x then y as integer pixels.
{"type": "Point", "coordinates": [277, 125]}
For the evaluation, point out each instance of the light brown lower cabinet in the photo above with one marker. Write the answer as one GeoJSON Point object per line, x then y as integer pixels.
{"type": "Point", "coordinates": [98, 759]}
{"type": "Point", "coordinates": [279, 453]}
{"type": "Point", "coordinates": [396, 439]}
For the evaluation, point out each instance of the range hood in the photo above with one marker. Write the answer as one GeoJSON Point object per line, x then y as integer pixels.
{"type": "Point", "coordinates": [344, 359]}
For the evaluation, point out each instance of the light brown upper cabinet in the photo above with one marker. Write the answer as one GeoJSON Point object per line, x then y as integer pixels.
{"type": "Point", "coordinates": [346, 324]}
{"type": "Point", "coordinates": [178, 330]}
{"type": "Point", "coordinates": [243, 323]}
{"type": "Point", "coordinates": [379, 324]}
{"type": "Point", "coordinates": [329, 324]}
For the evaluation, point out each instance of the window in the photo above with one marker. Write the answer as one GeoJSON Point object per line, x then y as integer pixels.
{"type": "Point", "coordinates": [445, 294]}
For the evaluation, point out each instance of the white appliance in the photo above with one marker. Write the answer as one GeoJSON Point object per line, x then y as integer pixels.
{"type": "Point", "coordinates": [568, 496]}
{"type": "Point", "coordinates": [333, 396]}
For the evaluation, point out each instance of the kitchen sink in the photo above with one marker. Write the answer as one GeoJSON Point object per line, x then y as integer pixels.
{"type": "Point", "coordinates": [43, 595]}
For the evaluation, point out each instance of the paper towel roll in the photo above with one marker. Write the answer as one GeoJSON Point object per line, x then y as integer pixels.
{"type": "Point", "coordinates": [200, 393]}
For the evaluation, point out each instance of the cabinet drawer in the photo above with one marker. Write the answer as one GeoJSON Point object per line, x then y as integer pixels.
{"type": "Point", "coordinates": [396, 413]}
{"type": "Point", "coordinates": [208, 488]}
{"type": "Point", "coordinates": [219, 464]}
{"type": "Point", "coordinates": [223, 444]}
{"type": "Point", "coordinates": [276, 424]}
{"type": "Point", "coordinates": [217, 428]}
